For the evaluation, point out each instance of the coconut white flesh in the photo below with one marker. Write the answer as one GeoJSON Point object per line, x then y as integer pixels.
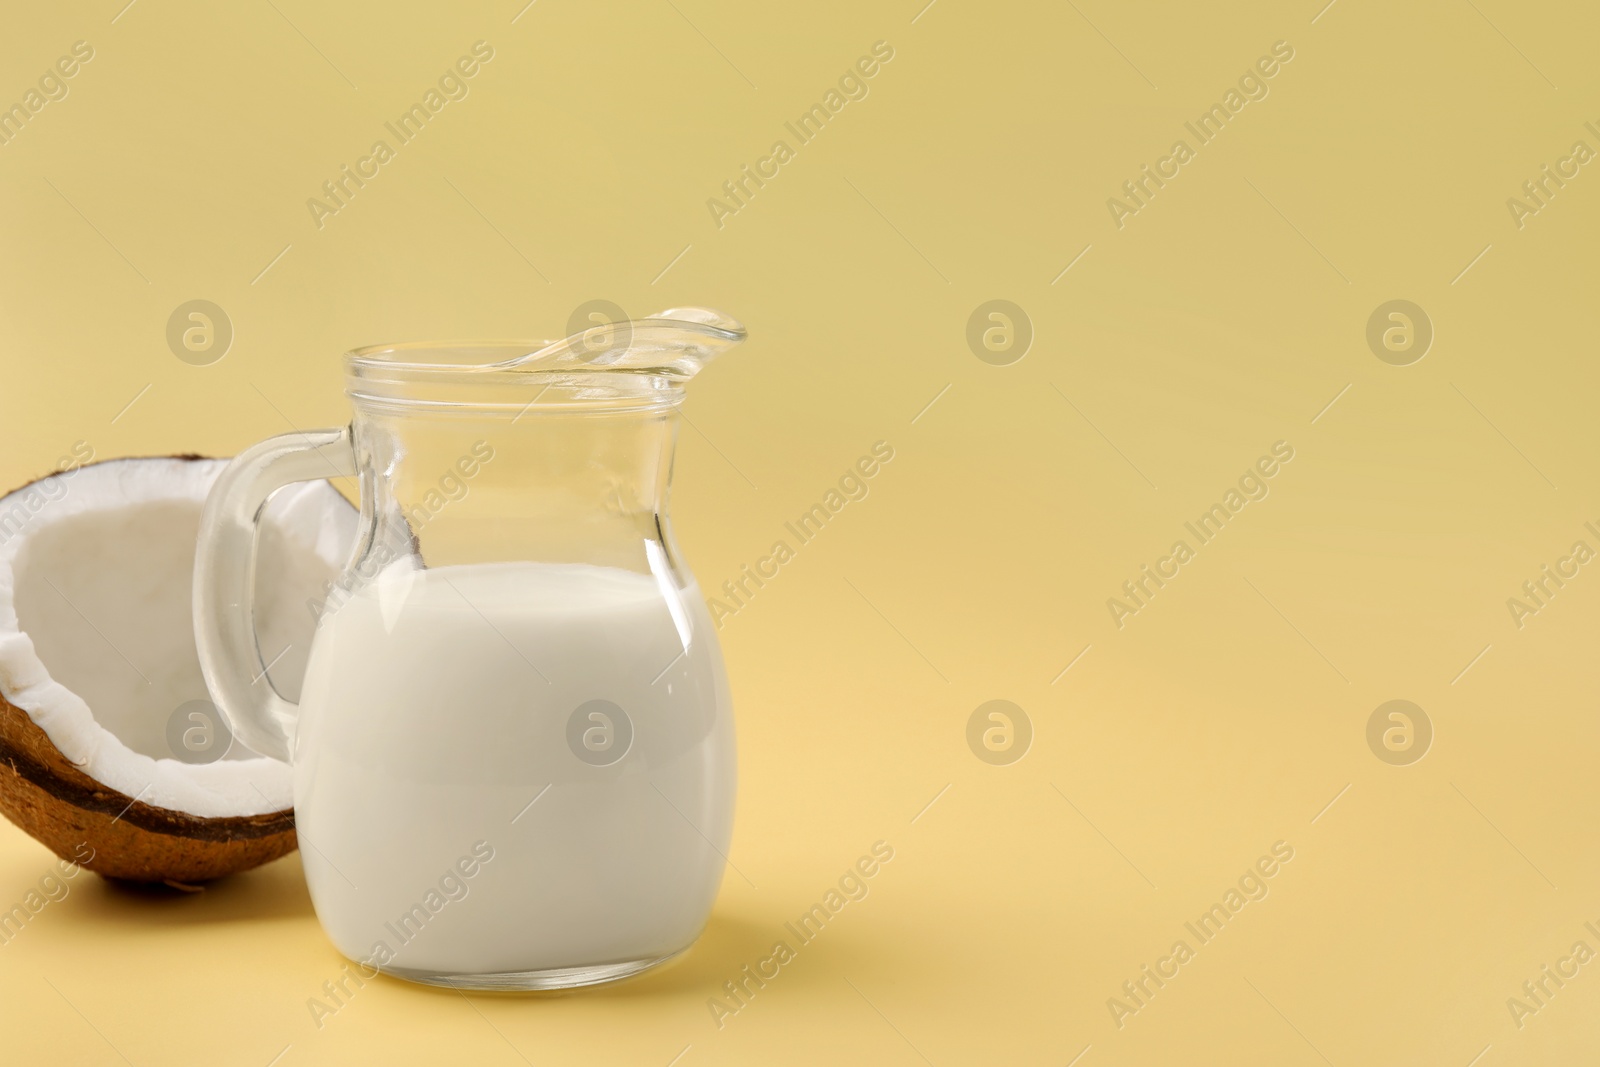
{"type": "Point", "coordinates": [97, 632]}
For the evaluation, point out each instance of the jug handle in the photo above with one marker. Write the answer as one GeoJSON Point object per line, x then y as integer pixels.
{"type": "Point", "coordinates": [224, 579]}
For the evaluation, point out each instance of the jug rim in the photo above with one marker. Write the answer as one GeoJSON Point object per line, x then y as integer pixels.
{"type": "Point", "coordinates": [626, 364]}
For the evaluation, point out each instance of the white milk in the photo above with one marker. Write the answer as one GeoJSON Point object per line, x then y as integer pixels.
{"type": "Point", "coordinates": [436, 707]}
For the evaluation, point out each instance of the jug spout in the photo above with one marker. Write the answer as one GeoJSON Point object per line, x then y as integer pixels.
{"type": "Point", "coordinates": [676, 342]}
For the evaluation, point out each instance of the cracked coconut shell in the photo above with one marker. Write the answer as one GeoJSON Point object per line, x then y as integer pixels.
{"type": "Point", "coordinates": [101, 697]}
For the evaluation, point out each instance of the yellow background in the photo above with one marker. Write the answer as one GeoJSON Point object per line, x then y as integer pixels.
{"type": "Point", "coordinates": [1224, 317]}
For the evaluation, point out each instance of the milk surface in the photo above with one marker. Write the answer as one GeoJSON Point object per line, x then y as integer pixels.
{"type": "Point", "coordinates": [467, 795]}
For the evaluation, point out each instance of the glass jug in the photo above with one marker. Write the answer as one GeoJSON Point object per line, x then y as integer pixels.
{"type": "Point", "coordinates": [513, 753]}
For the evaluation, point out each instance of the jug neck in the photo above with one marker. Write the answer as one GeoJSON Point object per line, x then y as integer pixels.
{"type": "Point", "coordinates": [557, 487]}
{"type": "Point", "coordinates": [551, 451]}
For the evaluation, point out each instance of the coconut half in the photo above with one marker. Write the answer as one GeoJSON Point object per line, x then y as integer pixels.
{"type": "Point", "coordinates": [109, 745]}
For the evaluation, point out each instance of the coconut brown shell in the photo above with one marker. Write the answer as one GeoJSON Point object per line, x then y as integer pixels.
{"type": "Point", "coordinates": [55, 802]}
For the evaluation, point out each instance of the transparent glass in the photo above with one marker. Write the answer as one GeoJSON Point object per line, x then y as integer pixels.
{"type": "Point", "coordinates": [513, 752]}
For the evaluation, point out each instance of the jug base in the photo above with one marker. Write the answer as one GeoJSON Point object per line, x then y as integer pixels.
{"type": "Point", "coordinates": [533, 981]}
